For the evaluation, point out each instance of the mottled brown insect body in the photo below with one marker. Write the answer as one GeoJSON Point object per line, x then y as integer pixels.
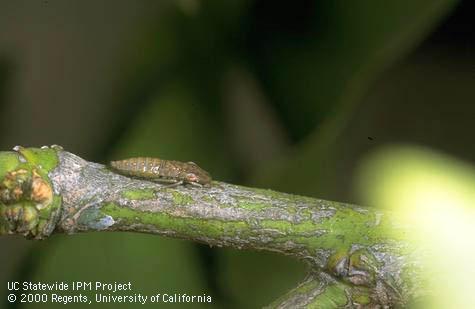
{"type": "Point", "coordinates": [162, 170]}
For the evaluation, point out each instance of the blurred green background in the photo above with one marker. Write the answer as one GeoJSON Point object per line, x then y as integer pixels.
{"type": "Point", "coordinates": [290, 96]}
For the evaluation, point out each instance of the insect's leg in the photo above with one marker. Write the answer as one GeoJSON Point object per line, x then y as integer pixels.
{"type": "Point", "coordinates": [195, 184]}
{"type": "Point", "coordinates": [164, 180]}
{"type": "Point", "coordinates": [173, 185]}
{"type": "Point", "coordinates": [171, 182]}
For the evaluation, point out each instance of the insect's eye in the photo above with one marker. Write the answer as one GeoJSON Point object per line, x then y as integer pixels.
{"type": "Point", "coordinates": [191, 177]}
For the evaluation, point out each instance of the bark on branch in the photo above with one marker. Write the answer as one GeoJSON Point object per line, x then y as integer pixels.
{"type": "Point", "coordinates": [357, 256]}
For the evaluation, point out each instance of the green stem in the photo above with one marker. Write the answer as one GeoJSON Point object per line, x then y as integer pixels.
{"type": "Point", "coordinates": [356, 255]}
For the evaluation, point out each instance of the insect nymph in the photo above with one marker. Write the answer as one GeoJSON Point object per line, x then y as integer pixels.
{"type": "Point", "coordinates": [159, 170]}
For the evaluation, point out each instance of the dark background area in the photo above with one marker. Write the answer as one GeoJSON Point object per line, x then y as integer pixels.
{"type": "Point", "coordinates": [288, 96]}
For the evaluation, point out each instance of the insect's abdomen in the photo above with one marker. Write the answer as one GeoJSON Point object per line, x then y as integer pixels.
{"type": "Point", "coordinates": [143, 167]}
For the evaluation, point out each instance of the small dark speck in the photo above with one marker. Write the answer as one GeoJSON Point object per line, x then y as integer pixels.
{"type": "Point", "coordinates": [370, 138]}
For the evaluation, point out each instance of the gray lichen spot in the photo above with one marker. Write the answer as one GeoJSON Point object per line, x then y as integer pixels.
{"type": "Point", "coordinates": [93, 219]}
{"type": "Point", "coordinates": [105, 222]}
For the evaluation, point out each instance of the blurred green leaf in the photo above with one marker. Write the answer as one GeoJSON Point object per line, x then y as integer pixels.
{"type": "Point", "coordinates": [323, 78]}
{"type": "Point", "coordinates": [433, 195]}
{"type": "Point", "coordinates": [255, 279]}
{"type": "Point", "coordinates": [335, 51]}
{"type": "Point", "coordinates": [151, 263]}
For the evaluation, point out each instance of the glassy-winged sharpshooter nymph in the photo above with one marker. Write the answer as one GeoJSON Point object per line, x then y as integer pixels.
{"type": "Point", "coordinates": [159, 170]}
